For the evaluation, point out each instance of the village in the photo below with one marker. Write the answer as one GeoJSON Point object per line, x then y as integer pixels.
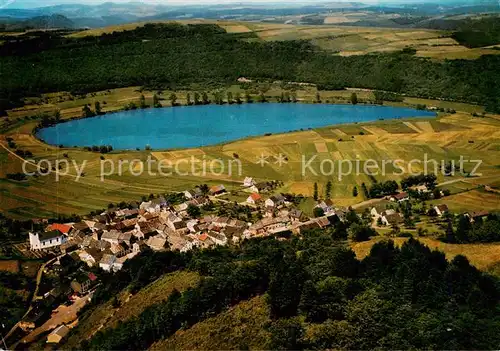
{"type": "Point", "coordinates": [80, 252]}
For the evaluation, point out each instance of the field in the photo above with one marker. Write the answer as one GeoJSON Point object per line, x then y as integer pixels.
{"type": "Point", "coordinates": [343, 40]}
{"type": "Point", "coordinates": [485, 257]}
{"type": "Point", "coordinates": [445, 138]}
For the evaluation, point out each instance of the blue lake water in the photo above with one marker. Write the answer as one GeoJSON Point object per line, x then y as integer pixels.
{"type": "Point", "coordinates": [193, 126]}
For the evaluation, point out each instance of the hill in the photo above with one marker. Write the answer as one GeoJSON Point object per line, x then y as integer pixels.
{"type": "Point", "coordinates": [206, 54]}
{"type": "Point", "coordinates": [54, 21]}
{"type": "Point", "coordinates": [313, 293]}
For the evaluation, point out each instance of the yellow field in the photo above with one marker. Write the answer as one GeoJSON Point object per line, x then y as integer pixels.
{"type": "Point", "coordinates": [484, 256]}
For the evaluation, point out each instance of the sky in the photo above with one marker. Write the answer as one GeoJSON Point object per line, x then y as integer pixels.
{"type": "Point", "coordinates": [41, 3]}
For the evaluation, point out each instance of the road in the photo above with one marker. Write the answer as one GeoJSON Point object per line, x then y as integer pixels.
{"type": "Point", "coordinates": [35, 296]}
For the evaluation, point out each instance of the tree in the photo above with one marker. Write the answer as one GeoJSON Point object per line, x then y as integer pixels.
{"type": "Point", "coordinates": [248, 98]}
{"type": "Point", "coordinates": [366, 193]}
{"type": "Point", "coordinates": [328, 189]}
{"type": "Point", "coordinates": [193, 211]}
{"type": "Point", "coordinates": [262, 97]}
{"type": "Point", "coordinates": [188, 99]}
{"type": "Point", "coordinates": [197, 98]}
{"type": "Point", "coordinates": [354, 98]}
{"type": "Point", "coordinates": [97, 107]}
{"type": "Point", "coordinates": [355, 191]}
{"type": "Point", "coordinates": [315, 192]}
{"type": "Point", "coordinates": [285, 286]}
{"type": "Point", "coordinates": [142, 101]}
{"type": "Point", "coordinates": [237, 97]}
{"type": "Point", "coordinates": [156, 101]}
{"type": "Point", "coordinates": [204, 189]}
{"type": "Point", "coordinates": [204, 98]}
{"type": "Point", "coordinates": [463, 228]}
{"type": "Point", "coordinates": [318, 212]}
{"type": "Point", "coordinates": [57, 115]}
{"type": "Point", "coordinates": [173, 99]}
{"type": "Point", "coordinates": [318, 98]}
{"type": "Point", "coordinates": [87, 112]}
{"type": "Point", "coordinates": [229, 97]}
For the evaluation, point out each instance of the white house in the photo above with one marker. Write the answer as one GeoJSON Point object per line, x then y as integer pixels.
{"type": "Point", "coordinates": [275, 201]}
{"type": "Point", "coordinates": [254, 198]}
{"type": "Point", "coordinates": [107, 262]}
{"type": "Point", "coordinates": [441, 209]}
{"type": "Point", "coordinates": [248, 182]}
{"type": "Point", "coordinates": [45, 240]}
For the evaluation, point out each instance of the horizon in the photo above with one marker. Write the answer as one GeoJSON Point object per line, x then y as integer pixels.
{"type": "Point", "coordinates": [32, 4]}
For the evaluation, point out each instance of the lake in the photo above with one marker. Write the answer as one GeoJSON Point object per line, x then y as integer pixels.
{"type": "Point", "coordinates": [193, 126]}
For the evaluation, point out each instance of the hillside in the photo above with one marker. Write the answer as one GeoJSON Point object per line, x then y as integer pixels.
{"type": "Point", "coordinates": [241, 327]}
{"type": "Point", "coordinates": [313, 293]}
{"type": "Point", "coordinates": [54, 21]}
{"type": "Point", "coordinates": [128, 305]}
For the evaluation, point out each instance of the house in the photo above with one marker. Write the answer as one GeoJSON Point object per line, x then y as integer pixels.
{"type": "Point", "coordinates": [263, 186]}
{"type": "Point", "coordinates": [306, 226]}
{"type": "Point", "coordinates": [90, 256]}
{"type": "Point", "coordinates": [178, 226]}
{"type": "Point", "coordinates": [275, 201]}
{"type": "Point", "coordinates": [475, 216]}
{"type": "Point", "coordinates": [46, 240]}
{"type": "Point", "coordinates": [218, 238]}
{"type": "Point", "coordinates": [150, 206]}
{"type": "Point", "coordinates": [57, 334]}
{"type": "Point", "coordinates": [400, 197]}
{"type": "Point", "coordinates": [193, 194]}
{"type": "Point", "coordinates": [205, 241]}
{"type": "Point", "coordinates": [236, 223]}
{"type": "Point", "coordinates": [111, 237]}
{"type": "Point", "coordinates": [248, 182]}
{"type": "Point", "coordinates": [297, 215]}
{"type": "Point", "coordinates": [323, 222]}
{"type": "Point", "coordinates": [217, 189]}
{"type": "Point", "coordinates": [326, 206]}
{"type": "Point", "coordinates": [254, 199]}
{"type": "Point", "coordinates": [83, 283]}
{"type": "Point", "coordinates": [220, 221]}
{"type": "Point", "coordinates": [268, 224]}
{"type": "Point", "coordinates": [157, 242]}
{"type": "Point", "coordinates": [441, 209]}
{"type": "Point", "coordinates": [393, 219]}
{"type": "Point", "coordinates": [63, 228]}
{"type": "Point", "coordinates": [377, 213]}
{"type": "Point", "coordinates": [106, 262]}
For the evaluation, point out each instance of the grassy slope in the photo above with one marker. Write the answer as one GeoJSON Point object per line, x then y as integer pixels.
{"type": "Point", "coordinates": [131, 305]}
{"type": "Point", "coordinates": [241, 327]}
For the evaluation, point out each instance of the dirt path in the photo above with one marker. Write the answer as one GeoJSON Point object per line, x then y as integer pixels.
{"type": "Point", "coordinates": [62, 315]}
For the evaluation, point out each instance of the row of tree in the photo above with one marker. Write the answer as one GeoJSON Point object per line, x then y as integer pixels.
{"type": "Point", "coordinates": [215, 57]}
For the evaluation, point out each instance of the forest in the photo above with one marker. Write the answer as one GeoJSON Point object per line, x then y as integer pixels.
{"type": "Point", "coordinates": [172, 55]}
{"type": "Point", "coordinates": [320, 296]}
